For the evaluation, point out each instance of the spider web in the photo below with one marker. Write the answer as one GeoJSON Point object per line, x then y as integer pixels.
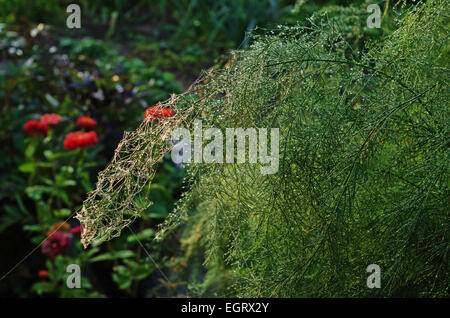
{"type": "Point", "coordinates": [122, 191]}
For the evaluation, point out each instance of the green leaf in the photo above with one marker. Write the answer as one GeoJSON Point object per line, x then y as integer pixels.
{"type": "Point", "coordinates": [48, 154]}
{"type": "Point", "coordinates": [62, 195]}
{"type": "Point", "coordinates": [157, 211]}
{"type": "Point", "coordinates": [33, 228]}
{"type": "Point", "coordinates": [35, 192]}
{"type": "Point", "coordinates": [38, 239]}
{"type": "Point", "coordinates": [44, 164]}
{"type": "Point", "coordinates": [123, 282]}
{"type": "Point", "coordinates": [56, 155]}
{"type": "Point", "coordinates": [62, 213]}
{"type": "Point", "coordinates": [42, 287]}
{"type": "Point", "coordinates": [53, 101]}
{"type": "Point", "coordinates": [29, 151]}
{"type": "Point", "coordinates": [27, 167]}
{"type": "Point", "coordinates": [144, 235]}
{"type": "Point", "coordinates": [112, 256]}
{"type": "Point", "coordinates": [67, 183]}
{"type": "Point", "coordinates": [67, 169]}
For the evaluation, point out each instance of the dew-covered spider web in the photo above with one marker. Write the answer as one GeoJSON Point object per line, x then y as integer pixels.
{"type": "Point", "coordinates": [122, 190]}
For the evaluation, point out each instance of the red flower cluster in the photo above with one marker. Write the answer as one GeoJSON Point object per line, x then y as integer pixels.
{"type": "Point", "coordinates": [80, 139]}
{"type": "Point", "coordinates": [35, 128]}
{"type": "Point", "coordinates": [43, 273]}
{"type": "Point", "coordinates": [86, 122]}
{"type": "Point", "coordinates": [50, 119]}
{"type": "Point", "coordinates": [56, 244]}
{"type": "Point", "coordinates": [156, 112]}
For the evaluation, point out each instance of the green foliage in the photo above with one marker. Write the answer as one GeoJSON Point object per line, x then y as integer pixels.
{"type": "Point", "coordinates": [16, 10]}
{"type": "Point", "coordinates": [181, 35]}
{"type": "Point", "coordinates": [74, 78]}
{"type": "Point", "coordinates": [55, 284]}
{"type": "Point", "coordinates": [363, 176]}
{"type": "Point", "coordinates": [43, 184]}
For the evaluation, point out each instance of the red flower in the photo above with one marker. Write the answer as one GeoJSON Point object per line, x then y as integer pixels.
{"type": "Point", "coordinates": [50, 119]}
{"type": "Point", "coordinates": [36, 128]}
{"type": "Point", "coordinates": [86, 122]}
{"type": "Point", "coordinates": [156, 112]}
{"type": "Point", "coordinates": [80, 139]}
{"type": "Point", "coordinates": [43, 273]}
{"type": "Point", "coordinates": [57, 243]}
{"type": "Point", "coordinates": [76, 230]}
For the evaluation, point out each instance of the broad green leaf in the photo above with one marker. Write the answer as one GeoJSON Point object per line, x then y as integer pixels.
{"type": "Point", "coordinates": [27, 167]}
